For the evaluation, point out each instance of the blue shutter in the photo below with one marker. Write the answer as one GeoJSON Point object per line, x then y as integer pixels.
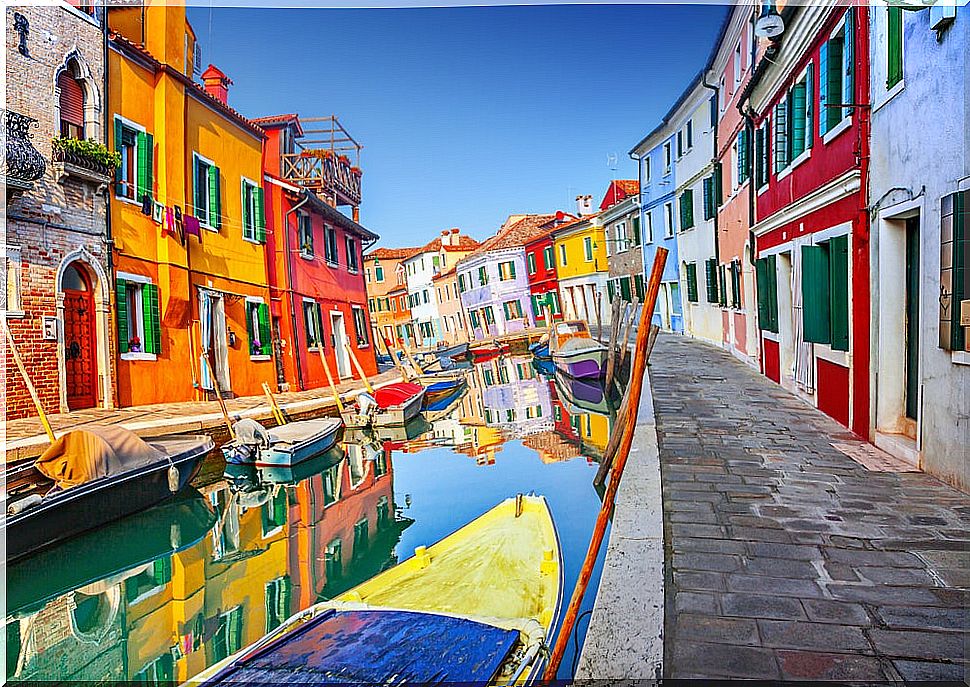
{"type": "Point", "coordinates": [848, 62]}
{"type": "Point", "coordinates": [823, 87]}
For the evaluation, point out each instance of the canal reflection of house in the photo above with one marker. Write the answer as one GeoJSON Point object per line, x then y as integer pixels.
{"type": "Point", "coordinates": [552, 447]}
{"type": "Point", "coordinates": [590, 431]}
{"type": "Point", "coordinates": [514, 397]}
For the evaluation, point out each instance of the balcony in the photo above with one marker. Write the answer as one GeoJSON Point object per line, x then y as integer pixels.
{"type": "Point", "coordinates": [88, 161]}
{"type": "Point", "coordinates": [326, 162]}
{"type": "Point", "coordinates": [23, 164]}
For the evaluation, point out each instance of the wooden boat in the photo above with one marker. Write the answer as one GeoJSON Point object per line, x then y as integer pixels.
{"type": "Point", "coordinates": [477, 607]}
{"type": "Point", "coordinates": [397, 404]}
{"type": "Point", "coordinates": [442, 406]}
{"type": "Point", "coordinates": [575, 352]}
{"type": "Point", "coordinates": [540, 348]}
{"type": "Point", "coordinates": [120, 546]}
{"type": "Point", "coordinates": [438, 392]}
{"type": "Point", "coordinates": [451, 352]}
{"type": "Point", "coordinates": [586, 395]}
{"type": "Point", "coordinates": [90, 477]}
{"type": "Point", "coordinates": [283, 445]}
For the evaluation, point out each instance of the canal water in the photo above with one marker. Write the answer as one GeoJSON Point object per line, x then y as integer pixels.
{"type": "Point", "coordinates": [161, 595]}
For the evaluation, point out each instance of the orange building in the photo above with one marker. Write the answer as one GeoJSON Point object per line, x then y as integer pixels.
{"type": "Point", "coordinates": [385, 274]}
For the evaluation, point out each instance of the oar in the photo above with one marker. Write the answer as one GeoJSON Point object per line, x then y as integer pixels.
{"type": "Point", "coordinates": [277, 413]}
{"type": "Point", "coordinates": [333, 386]}
{"type": "Point", "coordinates": [360, 370]}
{"type": "Point", "coordinates": [30, 385]}
{"type": "Point", "coordinates": [215, 385]}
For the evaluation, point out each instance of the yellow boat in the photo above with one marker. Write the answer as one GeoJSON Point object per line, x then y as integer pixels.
{"type": "Point", "coordinates": [479, 606]}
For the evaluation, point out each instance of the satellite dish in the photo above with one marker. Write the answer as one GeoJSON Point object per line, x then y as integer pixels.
{"type": "Point", "coordinates": [769, 25]}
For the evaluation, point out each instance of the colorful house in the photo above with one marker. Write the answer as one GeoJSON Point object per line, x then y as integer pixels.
{"type": "Point", "coordinates": [514, 397]}
{"type": "Point", "coordinates": [187, 222]}
{"type": "Point", "coordinates": [540, 260]}
{"type": "Point", "coordinates": [811, 220]}
{"type": "Point", "coordinates": [731, 278]}
{"type": "Point", "coordinates": [401, 314]}
{"type": "Point", "coordinates": [919, 192]}
{"type": "Point", "coordinates": [655, 157]}
{"type": "Point", "coordinates": [453, 324]}
{"type": "Point", "coordinates": [314, 252]}
{"type": "Point", "coordinates": [57, 300]}
{"type": "Point", "coordinates": [582, 268]}
{"type": "Point", "coordinates": [384, 270]}
{"type": "Point", "coordinates": [620, 217]}
{"type": "Point", "coordinates": [493, 279]}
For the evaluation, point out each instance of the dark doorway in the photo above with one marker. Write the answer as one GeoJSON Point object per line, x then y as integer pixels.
{"type": "Point", "coordinates": [912, 317]}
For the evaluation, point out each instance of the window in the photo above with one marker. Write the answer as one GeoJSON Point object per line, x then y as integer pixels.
{"type": "Point", "coordinates": [435, 264]}
{"type": "Point", "coordinates": [157, 575]}
{"type": "Point", "coordinates": [330, 245]}
{"type": "Point", "coordinates": [227, 638]}
{"type": "Point", "coordinates": [503, 374]}
{"type": "Point", "coordinates": [474, 318]}
{"type": "Point", "coordinates": [648, 219]}
{"type": "Point", "coordinates": [562, 254]}
{"type": "Point", "coordinates": [548, 259]}
{"type": "Point", "coordinates": [743, 152]}
{"type": "Point", "coordinates": [425, 299]}
{"type": "Point", "coordinates": [825, 293]}
{"type": "Point", "coordinates": [312, 323]}
{"type": "Point", "coordinates": [761, 156]}
{"type": "Point", "coordinates": [253, 217]}
{"type": "Point", "coordinates": [513, 310]}
{"type": "Point", "coordinates": [488, 376]}
{"type": "Point", "coordinates": [361, 537]}
{"type": "Point", "coordinates": [894, 45]}
{"type": "Point", "coordinates": [689, 134]}
{"type": "Point", "coordinates": [134, 177]}
{"type": "Point", "coordinates": [207, 198]}
{"type": "Point", "coordinates": [713, 105]}
{"type": "Point", "coordinates": [637, 238]}
{"type": "Point", "coordinates": [588, 248]}
{"type": "Point", "coordinates": [379, 274]}
{"type": "Point", "coordinates": [462, 287]}
{"type": "Point", "coordinates": [737, 66]}
{"type": "Point", "coordinates": [691, 272]}
{"type": "Point", "coordinates": [767, 277]}
{"type": "Point", "coordinates": [333, 561]}
{"type": "Point", "coordinates": [353, 259]}
{"type": "Point", "coordinates": [383, 513]}
{"type": "Point", "coordinates": [667, 158]}
{"type": "Point", "coordinates": [304, 225]}
{"type": "Point", "coordinates": [360, 326]}
{"type": "Point", "coordinates": [531, 262]}
{"type": "Point", "coordinates": [710, 270]}
{"type": "Point", "coordinates": [506, 271]}
{"type": "Point", "coordinates": [646, 170]}
{"type": "Point", "coordinates": [626, 292]}
{"type": "Point", "coordinates": [954, 269]}
{"type": "Point", "coordinates": [686, 209]}
{"type": "Point", "coordinates": [793, 121]}
{"type": "Point", "coordinates": [779, 120]}
{"type": "Point", "coordinates": [160, 671]}
{"type": "Point", "coordinates": [12, 295]}
{"type": "Point", "coordinates": [482, 275]}
{"type": "Point", "coordinates": [139, 325]}
{"type": "Point", "coordinates": [735, 268]}
{"type": "Point", "coordinates": [836, 71]}
{"type": "Point", "coordinates": [257, 326]}
{"type": "Point", "coordinates": [71, 102]}
{"type": "Point", "coordinates": [680, 144]}
{"type": "Point", "coordinates": [722, 286]}
{"type": "Point", "coordinates": [708, 192]}
{"type": "Point", "coordinates": [668, 220]}
{"type": "Point", "coordinates": [278, 596]}
{"type": "Point", "coordinates": [273, 513]}
{"type": "Point", "coordinates": [489, 314]}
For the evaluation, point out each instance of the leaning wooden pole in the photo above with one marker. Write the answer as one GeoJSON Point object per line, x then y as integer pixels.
{"type": "Point", "coordinates": [273, 405]}
{"type": "Point", "coordinates": [626, 334]}
{"type": "Point", "coordinates": [30, 385]}
{"type": "Point", "coordinates": [636, 387]}
{"type": "Point", "coordinates": [360, 370]}
{"type": "Point", "coordinates": [330, 382]}
{"type": "Point", "coordinates": [619, 311]}
{"type": "Point", "coordinates": [215, 385]}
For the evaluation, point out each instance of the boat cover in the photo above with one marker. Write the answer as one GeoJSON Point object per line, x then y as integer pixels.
{"type": "Point", "coordinates": [296, 432]}
{"type": "Point", "coordinates": [84, 455]}
{"type": "Point", "coordinates": [379, 647]}
{"type": "Point", "coordinates": [447, 385]}
{"type": "Point", "coordinates": [396, 394]}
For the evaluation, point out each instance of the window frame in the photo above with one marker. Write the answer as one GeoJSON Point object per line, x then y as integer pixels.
{"type": "Point", "coordinates": [133, 183]}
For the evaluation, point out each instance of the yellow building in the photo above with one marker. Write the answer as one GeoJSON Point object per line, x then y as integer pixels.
{"type": "Point", "coordinates": [187, 219]}
{"type": "Point", "coordinates": [582, 269]}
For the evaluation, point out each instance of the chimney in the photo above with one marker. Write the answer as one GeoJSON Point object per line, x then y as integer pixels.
{"type": "Point", "coordinates": [445, 238]}
{"type": "Point", "coordinates": [584, 205]}
{"type": "Point", "coordinates": [216, 84]}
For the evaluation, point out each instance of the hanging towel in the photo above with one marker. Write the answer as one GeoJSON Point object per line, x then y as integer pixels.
{"type": "Point", "coordinates": [146, 204]}
{"type": "Point", "coordinates": [158, 213]}
{"type": "Point", "coordinates": [169, 227]}
{"type": "Point", "coordinates": [191, 226]}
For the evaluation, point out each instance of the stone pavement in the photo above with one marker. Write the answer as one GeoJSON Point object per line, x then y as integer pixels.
{"type": "Point", "coordinates": [787, 559]}
{"type": "Point", "coordinates": [25, 438]}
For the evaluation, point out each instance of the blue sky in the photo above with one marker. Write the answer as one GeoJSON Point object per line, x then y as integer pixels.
{"type": "Point", "coordinates": [467, 114]}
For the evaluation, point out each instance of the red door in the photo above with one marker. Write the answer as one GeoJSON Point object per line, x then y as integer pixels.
{"type": "Point", "coordinates": [79, 347]}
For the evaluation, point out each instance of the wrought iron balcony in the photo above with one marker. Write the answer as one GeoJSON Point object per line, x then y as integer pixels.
{"type": "Point", "coordinates": [23, 164]}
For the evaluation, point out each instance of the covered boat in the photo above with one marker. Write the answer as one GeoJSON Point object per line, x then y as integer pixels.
{"type": "Point", "coordinates": [397, 404]}
{"type": "Point", "coordinates": [283, 445]}
{"type": "Point", "coordinates": [575, 352]}
{"type": "Point", "coordinates": [478, 607]}
{"type": "Point", "coordinates": [93, 476]}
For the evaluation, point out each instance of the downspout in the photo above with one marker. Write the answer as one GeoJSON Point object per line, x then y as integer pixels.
{"type": "Point", "coordinates": [289, 280]}
{"type": "Point", "coordinates": [749, 126]}
{"type": "Point", "coordinates": [108, 241]}
{"type": "Point", "coordinates": [717, 103]}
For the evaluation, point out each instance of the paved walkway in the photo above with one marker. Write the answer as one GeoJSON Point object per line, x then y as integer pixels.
{"type": "Point", "coordinates": [787, 559]}
{"type": "Point", "coordinates": [25, 438]}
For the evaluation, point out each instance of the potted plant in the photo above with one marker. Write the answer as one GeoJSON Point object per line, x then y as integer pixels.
{"type": "Point", "coordinates": [134, 344]}
{"type": "Point", "coordinates": [87, 153]}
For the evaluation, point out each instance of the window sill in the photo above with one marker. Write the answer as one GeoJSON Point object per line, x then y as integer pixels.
{"type": "Point", "coordinates": [804, 155]}
{"type": "Point", "coordinates": [960, 357]}
{"type": "Point", "coordinates": [255, 241]}
{"type": "Point", "coordinates": [306, 256]}
{"type": "Point", "coordinates": [836, 130]}
{"type": "Point", "coordinates": [260, 358]}
{"type": "Point", "coordinates": [830, 355]}
{"type": "Point", "coordinates": [771, 336]}
{"type": "Point", "coordinates": [890, 94]}
{"type": "Point", "coordinates": [139, 356]}
{"type": "Point", "coordinates": [208, 228]}
{"type": "Point", "coordinates": [353, 271]}
{"type": "Point", "coordinates": [783, 173]}
{"type": "Point", "coordinates": [762, 189]}
{"type": "Point", "coordinates": [15, 314]}
{"type": "Point", "coordinates": [332, 263]}
{"type": "Point", "coordinates": [129, 201]}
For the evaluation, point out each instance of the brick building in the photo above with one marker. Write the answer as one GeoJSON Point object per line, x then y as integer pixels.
{"type": "Point", "coordinates": [58, 287]}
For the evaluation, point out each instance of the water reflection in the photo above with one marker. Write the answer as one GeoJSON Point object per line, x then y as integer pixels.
{"type": "Point", "coordinates": [161, 595]}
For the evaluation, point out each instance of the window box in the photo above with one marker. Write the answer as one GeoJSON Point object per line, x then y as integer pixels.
{"type": "Point", "coordinates": [84, 160]}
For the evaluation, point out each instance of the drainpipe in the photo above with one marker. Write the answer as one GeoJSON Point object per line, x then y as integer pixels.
{"type": "Point", "coordinates": [108, 241]}
{"type": "Point", "coordinates": [289, 280]}
{"type": "Point", "coordinates": [717, 102]}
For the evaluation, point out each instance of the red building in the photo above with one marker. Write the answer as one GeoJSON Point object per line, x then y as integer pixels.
{"type": "Point", "coordinates": [540, 263]}
{"type": "Point", "coordinates": [315, 252]}
{"type": "Point", "coordinates": [810, 139]}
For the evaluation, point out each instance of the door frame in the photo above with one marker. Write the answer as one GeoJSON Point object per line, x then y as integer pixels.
{"type": "Point", "coordinates": [340, 354]}
{"type": "Point", "coordinates": [91, 345]}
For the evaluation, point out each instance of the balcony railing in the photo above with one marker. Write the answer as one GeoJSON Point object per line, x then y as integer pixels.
{"type": "Point", "coordinates": [324, 172]}
{"type": "Point", "coordinates": [76, 163]}
{"type": "Point", "coordinates": [22, 164]}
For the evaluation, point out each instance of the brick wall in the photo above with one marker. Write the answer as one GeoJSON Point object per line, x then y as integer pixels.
{"type": "Point", "coordinates": [57, 218]}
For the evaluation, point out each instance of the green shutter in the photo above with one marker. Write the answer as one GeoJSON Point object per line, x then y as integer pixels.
{"type": "Point", "coordinates": [839, 291]}
{"type": "Point", "coordinates": [121, 314]}
{"type": "Point", "coordinates": [767, 293]}
{"type": "Point", "coordinates": [145, 163]}
{"type": "Point", "coordinates": [638, 286]}
{"type": "Point", "coordinates": [153, 333]}
{"type": "Point", "coordinates": [773, 292]}
{"type": "Point", "coordinates": [692, 282]}
{"type": "Point", "coordinates": [250, 332]}
{"type": "Point", "coordinates": [260, 215]}
{"type": "Point", "coordinates": [512, 269]}
{"type": "Point", "coordinates": [894, 45]}
{"type": "Point", "coordinates": [797, 126]}
{"type": "Point", "coordinates": [954, 267]}
{"type": "Point", "coordinates": [722, 286]}
{"type": "Point", "coordinates": [215, 199]}
{"type": "Point", "coordinates": [708, 197]}
{"type": "Point", "coordinates": [247, 221]}
{"type": "Point", "coordinates": [781, 135]}
{"type": "Point", "coordinates": [636, 231]}
{"type": "Point", "coordinates": [833, 83]}
{"type": "Point", "coordinates": [815, 294]}
{"type": "Point", "coordinates": [119, 187]}
{"type": "Point", "coordinates": [759, 157]}
{"type": "Point", "coordinates": [686, 209]}
{"type": "Point", "coordinates": [265, 337]}
{"type": "Point", "coordinates": [710, 271]}
{"type": "Point", "coordinates": [506, 310]}
{"type": "Point", "coordinates": [718, 185]}
{"type": "Point", "coordinates": [611, 290]}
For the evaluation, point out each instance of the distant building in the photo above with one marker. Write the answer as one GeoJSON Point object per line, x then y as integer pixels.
{"type": "Point", "coordinates": [620, 217]}
{"type": "Point", "coordinates": [582, 268]}
{"type": "Point", "coordinates": [384, 270]}
{"type": "Point", "coordinates": [540, 261]}
{"type": "Point", "coordinates": [450, 315]}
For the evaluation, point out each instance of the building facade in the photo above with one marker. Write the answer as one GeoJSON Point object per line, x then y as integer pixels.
{"type": "Point", "coordinates": [454, 328]}
{"type": "Point", "coordinates": [919, 199]}
{"type": "Point", "coordinates": [812, 225]}
{"type": "Point", "coordinates": [540, 261]}
{"type": "Point", "coordinates": [314, 258]}
{"type": "Point", "coordinates": [620, 217]}
{"type": "Point", "coordinates": [384, 273]}
{"type": "Point", "coordinates": [582, 268]}
{"type": "Point", "coordinates": [58, 269]}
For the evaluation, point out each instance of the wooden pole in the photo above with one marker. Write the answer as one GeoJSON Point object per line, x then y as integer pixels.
{"type": "Point", "coordinates": [273, 406]}
{"type": "Point", "coordinates": [654, 332]}
{"type": "Point", "coordinates": [405, 375]}
{"type": "Point", "coordinates": [626, 333]}
{"type": "Point", "coordinates": [598, 302]}
{"type": "Point", "coordinates": [215, 386]}
{"type": "Point", "coordinates": [609, 453]}
{"type": "Point", "coordinates": [360, 370]}
{"type": "Point", "coordinates": [333, 385]}
{"type": "Point", "coordinates": [636, 387]}
{"type": "Point", "coordinates": [612, 362]}
{"type": "Point", "coordinates": [30, 385]}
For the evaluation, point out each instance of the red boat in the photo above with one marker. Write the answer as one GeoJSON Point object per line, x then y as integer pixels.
{"type": "Point", "coordinates": [398, 403]}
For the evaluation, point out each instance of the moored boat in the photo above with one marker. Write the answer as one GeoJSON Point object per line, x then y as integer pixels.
{"type": "Point", "coordinates": [283, 445]}
{"type": "Point", "coordinates": [397, 404]}
{"type": "Point", "coordinates": [585, 395]}
{"type": "Point", "coordinates": [540, 348]}
{"type": "Point", "coordinates": [90, 477]}
{"type": "Point", "coordinates": [575, 352]}
{"type": "Point", "coordinates": [479, 606]}
{"type": "Point", "coordinates": [439, 391]}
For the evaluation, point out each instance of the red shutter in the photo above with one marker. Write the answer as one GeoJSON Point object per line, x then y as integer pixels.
{"type": "Point", "coordinates": [72, 99]}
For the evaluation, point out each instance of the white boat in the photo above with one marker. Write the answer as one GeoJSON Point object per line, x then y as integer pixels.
{"type": "Point", "coordinates": [575, 352]}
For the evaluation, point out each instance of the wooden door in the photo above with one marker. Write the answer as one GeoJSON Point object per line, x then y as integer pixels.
{"type": "Point", "coordinates": [79, 344]}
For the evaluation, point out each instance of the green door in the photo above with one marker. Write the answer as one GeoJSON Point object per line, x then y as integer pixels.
{"type": "Point", "coordinates": [912, 317]}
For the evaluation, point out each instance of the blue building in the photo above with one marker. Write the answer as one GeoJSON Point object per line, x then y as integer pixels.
{"type": "Point", "coordinates": [658, 218]}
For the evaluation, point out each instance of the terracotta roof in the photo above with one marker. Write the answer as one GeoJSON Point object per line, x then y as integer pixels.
{"type": "Point", "coordinates": [618, 190]}
{"type": "Point", "coordinates": [571, 222]}
{"type": "Point", "coordinates": [465, 244]}
{"type": "Point", "coordinates": [517, 233]}
{"type": "Point", "coordinates": [391, 253]}
{"type": "Point", "coordinates": [447, 273]}
{"type": "Point", "coordinates": [281, 119]}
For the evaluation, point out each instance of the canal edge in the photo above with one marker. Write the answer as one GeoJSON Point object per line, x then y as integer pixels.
{"type": "Point", "coordinates": [624, 639]}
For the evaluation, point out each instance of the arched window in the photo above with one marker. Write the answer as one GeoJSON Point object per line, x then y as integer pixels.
{"type": "Point", "coordinates": [72, 103]}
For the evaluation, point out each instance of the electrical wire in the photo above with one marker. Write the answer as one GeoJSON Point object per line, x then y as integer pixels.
{"type": "Point", "coordinates": [588, 611]}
